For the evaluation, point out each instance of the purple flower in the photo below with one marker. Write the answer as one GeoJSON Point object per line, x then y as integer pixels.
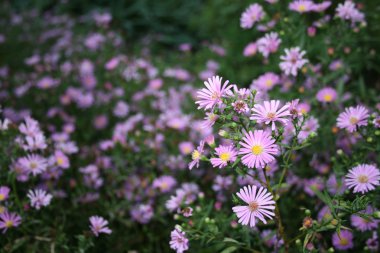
{"type": "Point", "coordinates": [269, 113]}
{"type": "Point", "coordinates": [33, 164]}
{"type": "Point", "coordinates": [268, 44]}
{"type": "Point", "coordinates": [9, 220]}
{"type": "Point", "coordinates": [99, 225]}
{"type": "Point", "coordinates": [364, 224]}
{"type": "Point", "coordinates": [326, 95]}
{"type": "Point", "coordinates": [254, 13]}
{"type": "Point", "coordinates": [292, 61]}
{"type": "Point", "coordinates": [208, 98]}
{"type": "Point", "coordinates": [363, 178]}
{"type": "Point", "coordinates": [164, 183]}
{"type": "Point", "coordinates": [178, 241]}
{"type": "Point", "coordinates": [142, 213]}
{"type": "Point", "coordinates": [347, 11]}
{"type": "Point", "coordinates": [4, 193]}
{"type": "Point", "coordinates": [352, 118]}
{"type": "Point", "coordinates": [225, 154]}
{"type": "Point", "coordinates": [301, 6]}
{"type": "Point", "coordinates": [343, 240]}
{"type": "Point", "coordinates": [260, 205]}
{"type": "Point", "coordinates": [196, 155]}
{"type": "Point", "coordinates": [39, 198]}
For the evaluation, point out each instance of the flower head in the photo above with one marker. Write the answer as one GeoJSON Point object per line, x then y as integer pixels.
{"type": "Point", "coordinates": [257, 149]}
{"type": "Point", "coordinates": [225, 154]}
{"type": "Point", "coordinates": [33, 164]}
{"type": "Point", "coordinates": [254, 13]}
{"type": "Point", "coordinates": [301, 6]}
{"type": "Point", "coordinates": [268, 44]}
{"type": "Point", "coordinates": [260, 205]}
{"type": "Point", "coordinates": [39, 198]}
{"type": "Point", "coordinates": [178, 241]}
{"type": "Point", "coordinates": [9, 220]}
{"type": "Point", "coordinates": [363, 178]}
{"type": "Point", "coordinates": [212, 96]}
{"type": "Point", "coordinates": [269, 112]}
{"type": "Point", "coordinates": [364, 224]}
{"type": "Point", "coordinates": [196, 155]}
{"type": "Point", "coordinates": [4, 193]}
{"type": "Point", "coordinates": [99, 225]}
{"type": "Point", "coordinates": [326, 95]}
{"type": "Point", "coordinates": [292, 61]}
{"type": "Point", "coordinates": [343, 240]}
{"type": "Point", "coordinates": [352, 118]}
{"type": "Point", "coordinates": [348, 11]}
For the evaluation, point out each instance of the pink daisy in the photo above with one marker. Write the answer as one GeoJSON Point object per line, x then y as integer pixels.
{"type": "Point", "coordinates": [343, 240]}
{"type": "Point", "coordinates": [254, 13]}
{"type": "Point", "coordinates": [4, 193]}
{"type": "Point", "coordinates": [367, 223]}
{"type": "Point", "coordinates": [268, 44]}
{"type": "Point", "coordinates": [292, 61]}
{"type": "Point", "coordinates": [250, 49]}
{"type": "Point", "coordinates": [326, 95]}
{"type": "Point", "coordinates": [33, 164]}
{"type": "Point", "coordinates": [9, 220]}
{"type": "Point", "coordinates": [258, 149]}
{"type": "Point", "coordinates": [363, 178]}
{"type": "Point", "coordinates": [99, 225]}
{"type": "Point", "coordinates": [302, 6]}
{"type": "Point", "coordinates": [208, 98]}
{"type": "Point", "coordinates": [266, 81]}
{"type": "Point", "coordinates": [225, 154]}
{"type": "Point", "coordinates": [196, 155]}
{"type": "Point", "coordinates": [269, 113]}
{"type": "Point", "coordinates": [178, 241]}
{"type": "Point", "coordinates": [352, 118]}
{"type": "Point", "coordinates": [39, 198]}
{"type": "Point", "coordinates": [260, 204]}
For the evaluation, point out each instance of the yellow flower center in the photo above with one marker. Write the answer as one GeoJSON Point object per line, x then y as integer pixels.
{"type": "Point", "coordinates": [195, 155]}
{"type": "Point", "coordinates": [302, 8]}
{"type": "Point", "coordinates": [343, 241]}
{"type": "Point", "coordinates": [271, 115]}
{"type": "Point", "coordinates": [363, 179]}
{"type": "Point", "coordinates": [9, 223]}
{"type": "Point", "coordinates": [59, 160]}
{"type": "Point", "coordinates": [269, 83]}
{"type": "Point", "coordinates": [2, 209]}
{"type": "Point", "coordinates": [327, 97]}
{"type": "Point", "coordinates": [354, 120]}
{"type": "Point", "coordinates": [33, 165]}
{"type": "Point", "coordinates": [253, 206]}
{"type": "Point", "coordinates": [225, 157]}
{"type": "Point", "coordinates": [2, 197]}
{"type": "Point", "coordinates": [257, 149]}
{"type": "Point", "coordinates": [164, 186]}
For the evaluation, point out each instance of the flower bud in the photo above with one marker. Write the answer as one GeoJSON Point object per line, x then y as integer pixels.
{"type": "Point", "coordinates": [331, 250]}
{"type": "Point", "coordinates": [307, 222]}
{"type": "Point", "coordinates": [307, 212]}
{"type": "Point", "coordinates": [376, 214]}
{"type": "Point", "coordinates": [223, 133]}
{"type": "Point", "coordinates": [298, 242]}
{"type": "Point", "coordinates": [369, 139]}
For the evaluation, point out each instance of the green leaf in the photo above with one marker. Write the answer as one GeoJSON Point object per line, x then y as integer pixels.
{"type": "Point", "coordinates": [229, 249]}
{"type": "Point", "coordinates": [230, 240]}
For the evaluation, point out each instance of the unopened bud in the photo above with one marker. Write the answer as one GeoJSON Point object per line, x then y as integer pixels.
{"type": "Point", "coordinates": [369, 139]}
{"type": "Point", "coordinates": [339, 152]}
{"type": "Point", "coordinates": [331, 250]}
{"type": "Point", "coordinates": [376, 214]}
{"type": "Point", "coordinates": [307, 212]}
{"type": "Point", "coordinates": [298, 242]}
{"type": "Point", "coordinates": [307, 222]}
{"type": "Point", "coordinates": [223, 133]}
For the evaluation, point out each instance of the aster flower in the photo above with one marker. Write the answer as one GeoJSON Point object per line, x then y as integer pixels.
{"type": "Point", "coordinates": [250, 49]}
{"type": "Point", "coordinates": [208, 98]}
{"type": "Point", "coordinates": [310, 125]}
{"type": "Point", "coordinates": [268, 44]}
{"type": "Point", "coordinates": [301, 6]}
{"type": "Point", "coordinates": [257, 149]}
{"type": "Point", "coordinates": [240, 106]}
{"type": "Point", "coordinates": [348, 11]}
{"type": "Point", "coordinates": [164, 183]}
{"type": "Point", "coordinates": [225, 154]}
{"type": "Point", "coordinates": [61, 160]}
{"type": "Point", "coordinates": [4, 193]}
{"type": "Point", "coordinates": [142, 213]}
{"type": "Point", "coordinates": [30, 127]}
{"type": "Point", "coordinates": [373, 243]}
{"type": "Point", "coordinates": [266, 81]}
{"type": "Point", "coordinates": [178, 241]}
{"type": "Point", "coordinates": [326, 95]}
{"type": "Point", "coordinates": [9, 220]}
{"type": "Point", "coordinates": [210, 119]}
{"type": "Point", "coordinates": [352, 118]}
{"type": "Point", "coordinates": [363, 178]}
{"type": "Point", "coordinates": [260, 205]}
{"type": "Point", "coordinates": [365, 224]}
{"type": "Point", "coordinates": [343, 240]}
{"type": "Point", "coordinates": [99, 225]}
{"type": "Point", "coordinates": [292, 61]}
{"type": "Point", "coordinates": [39, 198]}
{"type": "Point", "coordinates": [269, 113]}
{"type": "Point", "coordinates": [254, 13]}
{"type": "Point", "coordinates": [196, 155]}
{"type": "Point", "coordinates": [33, 164]}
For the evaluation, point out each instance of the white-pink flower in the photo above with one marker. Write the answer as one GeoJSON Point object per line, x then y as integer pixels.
{"type": "Point", "coordinates": [270, 113]}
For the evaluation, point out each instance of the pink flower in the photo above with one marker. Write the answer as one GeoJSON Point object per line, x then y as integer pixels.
{"type": "Point", "coordinates": [301, 6]}
{"type": "Point", "coordinates": [260, 205]}
{"type": "Point", "coordinates": [292, 61]}
{"type": "Point", "coordinates": [4, 193]}
{"type": "Point", "coordinates": [343, 240]}
{"type": "Point", "coordinates": [208, 98]}
{"type": "Point", "coordinates": [268, 44]}
{"type": "Point", "coordinates": [365, 223]}
{"type": "Point", "coordinates": [61, 159]}
{"type": "Point", "coordinates": [99, 225]}
{"type": "Point", "coordinates": [363, 178]}
{"type": "Point", "coordinates": [9, 220]}
{"type": "Point", "coordinates": [269, 113]}
{"type": "Point", "coordinates": [266, 81]}
{"type": "Point", "coordinates": [254, 13]}
{"type": "Point", "coordinates": [348, 11]}
{"type": "Point", "coordinates": [33, 164]}
{"type": "Point", "coordinates": [196, 155]}
{"type": "Point", "coordinates": [352, 118]}
{"type": "Point", "coordinates": [250, 49]}
{"type": "Point", "coordinates": [226, 154]}
{"type": "Point", "coordinates": [178, 241]}
{"type": "Point", "coordinates": [258, 149]}
{"type": "Point", "coordinates": [326, 95]}
{"type": "Point", "coordinates": [39, 198]}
